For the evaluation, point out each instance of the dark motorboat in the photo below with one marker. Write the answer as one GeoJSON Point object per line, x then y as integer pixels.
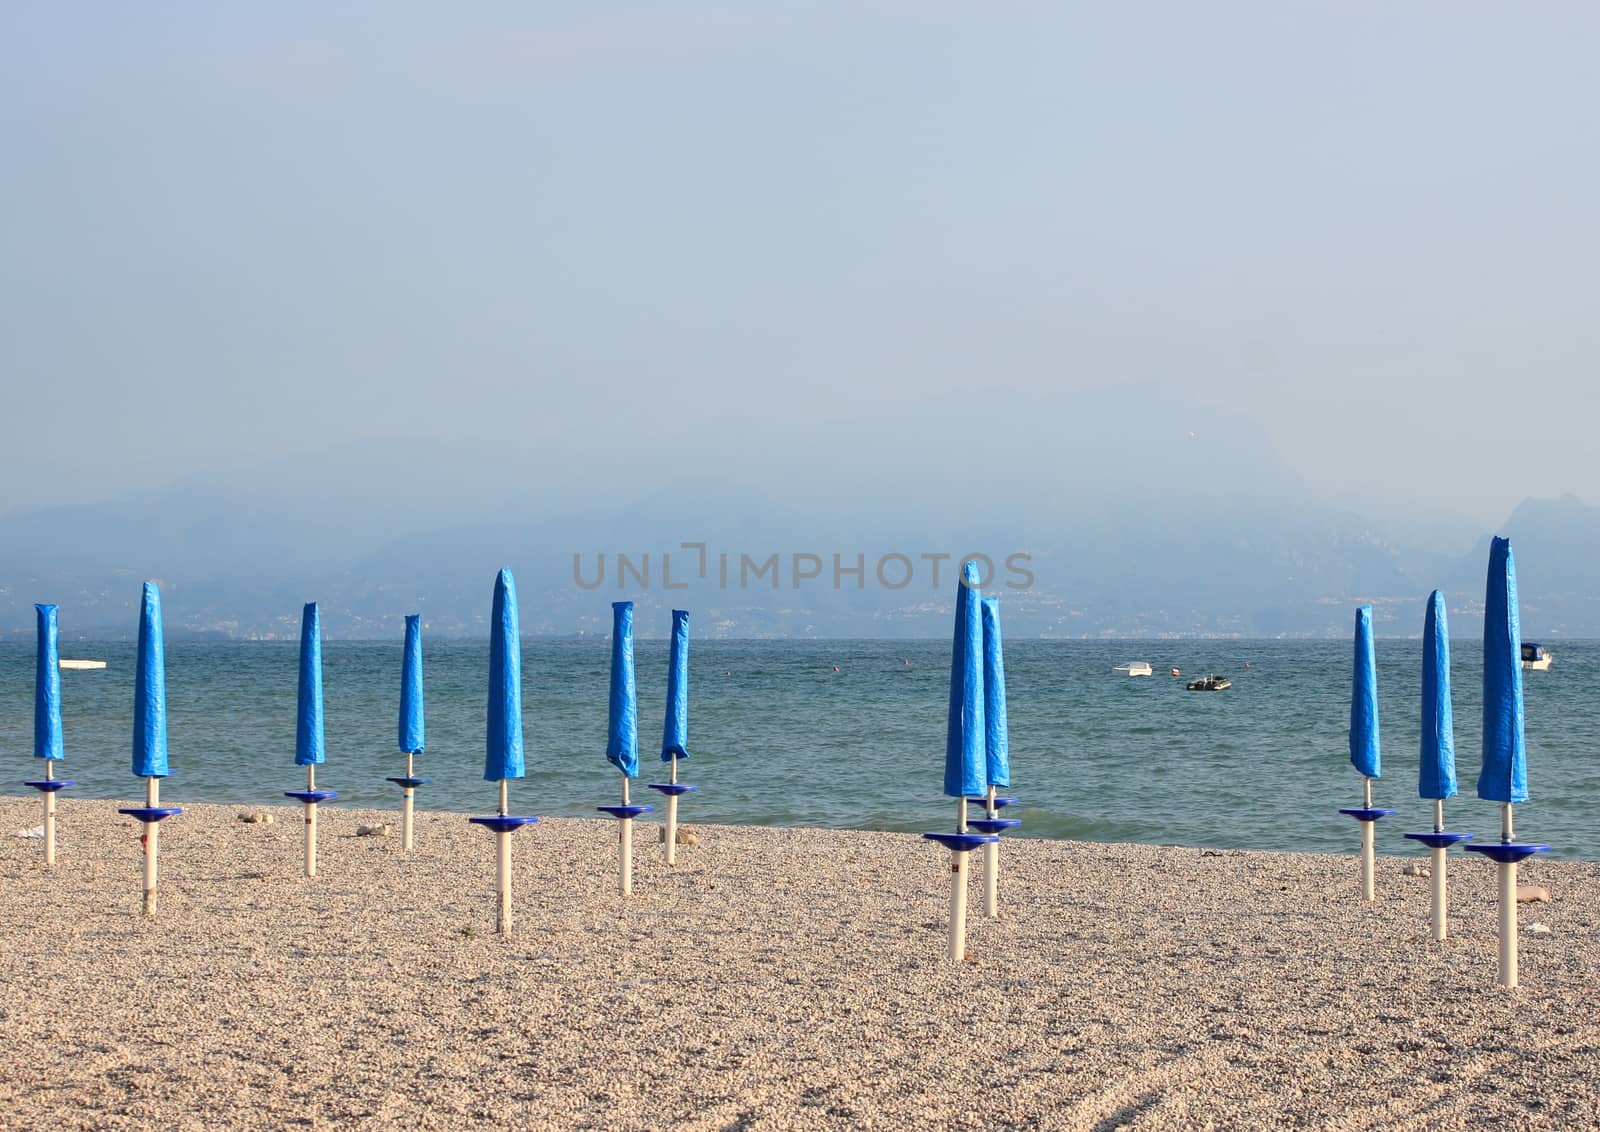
{"type": "Point", "coordinates": [1210, 684]}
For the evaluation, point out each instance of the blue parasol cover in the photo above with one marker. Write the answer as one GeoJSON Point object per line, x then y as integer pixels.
{"type": "Point", "coordinates": [47, 689]}
{"type": "Point", "coordinates": [997, 741]}
{"type": "Point", "coordinates": [1437, 778]}
{"type": "Point", "coordinates": [411, 730]}
{"type": "Point", "coordinates": [965, 748]}
{"type": "Point", "coordinates": [675, 734]}
{"type": "Point", "coordinates": [503, 748]}
{"type": "Point", "coordinates": [1364, 699]}
{"type": "Point", "coordinates": [622, 729]}
{"type": "Point", "coordinates": [308, 749]}
{"type": "Point", "coordinates": [1504, 777]}
{"type": "Point", "coordinates": [150, 691]}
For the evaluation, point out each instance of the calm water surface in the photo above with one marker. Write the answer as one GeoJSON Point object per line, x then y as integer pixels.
{"type": "Point", "coordinates": [779, 738]}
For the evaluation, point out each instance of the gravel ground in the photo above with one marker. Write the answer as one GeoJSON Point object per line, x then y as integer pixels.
{"type": "Point", "coordinates": [777, 978]}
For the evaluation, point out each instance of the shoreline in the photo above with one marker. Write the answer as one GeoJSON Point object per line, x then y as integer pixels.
{"type": "Point", "coordinates": [779, 977]}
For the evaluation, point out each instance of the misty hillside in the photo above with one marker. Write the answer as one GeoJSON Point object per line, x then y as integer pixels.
{"type": "Point", "coordinates": [1185, 522]}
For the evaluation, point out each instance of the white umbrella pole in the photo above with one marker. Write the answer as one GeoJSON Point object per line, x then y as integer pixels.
{"type": "Point", "coordinates": [991, 867]}
{"type": "Point", "coordinates": [1368, 861]}
{"type": "Point", "coordinates": [958, 891]}
{"type": "Point", "coordinates": [625, 847]}
{"type": "Point", "coordinates": [49, 817]}
{"type": "Point", "coordinates": [152, 845]}
{"type": "Point", "coordinates": [311, 822]}
{"type": "Point", "coordinates": [502, 872]}
{"type": "Point", "coordinates": [405, 807]}
{"type": "Point", "coordinates": [1508, 907]}
{"type": "Point", "coordinates": [1440, 928]}
{"type": "Point", "coordinates": [672, 817]}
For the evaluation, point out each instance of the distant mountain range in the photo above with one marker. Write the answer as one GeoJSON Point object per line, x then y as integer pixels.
{"type": "Point", "coordinates": [1184, 522]}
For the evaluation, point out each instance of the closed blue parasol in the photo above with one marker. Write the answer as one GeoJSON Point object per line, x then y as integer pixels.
{"type": "Point", "coordinates": [997, 748]}
{"type": "Point", "coordinates": [622, 737]}
{"type": "Point", "coordinates": [410, 734]}
{"type": "Point", "coordinates": [503, 736]}
{"type": "Point", "coordinates": [1364, 743]}
{"type": "Point", "coordinates": [966, 755]}
{"type": "Point", "coordinates": [622, 721]}
{"type": "Point", "coordinates": [675, 729]}
{"type": "Point", "coordinates": [1436, 778]}
{"type": "Point", "coordinates": [309, 750]}
{"type": "Point", "coordinates": [47, 744]}
{"type": "Point", "coordinates": [150, 735]}
{"type": "Point", "coordinates": [1504, 777]}
{"type": "Point", "coordinates": [150, 691]}
{"type": "Point", "coordinates": [503, 742]}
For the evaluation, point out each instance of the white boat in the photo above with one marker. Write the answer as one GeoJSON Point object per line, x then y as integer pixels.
{"type": "Point", "coordinates": [1134, 668]}
{"type": "Point", "coordinates": [82, 665]}
{"type": "Point", "coordinates": [1536, 656]}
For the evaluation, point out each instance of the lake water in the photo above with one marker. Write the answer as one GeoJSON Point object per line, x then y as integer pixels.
{"type": "Point", "coordinates": [779, 738]}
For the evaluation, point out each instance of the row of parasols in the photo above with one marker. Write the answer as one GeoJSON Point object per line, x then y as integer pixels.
{"type": "Point", "coordinates": [977, 762]}
{"type": "Point", "coordinates": [503, 748]}
{"type": "Point", "coordinates": [1504, 774]}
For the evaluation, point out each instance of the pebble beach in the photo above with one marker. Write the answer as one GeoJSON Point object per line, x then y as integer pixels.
{"type": "Point", "coordinates": [776, 978]}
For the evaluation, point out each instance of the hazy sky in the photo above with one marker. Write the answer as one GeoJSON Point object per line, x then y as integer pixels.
{"type": "Point", "coordinates": [233, 234]}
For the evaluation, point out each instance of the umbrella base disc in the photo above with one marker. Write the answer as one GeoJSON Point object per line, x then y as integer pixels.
{"type": "Point", "coordinates": [1362, 813]}
{"type": "Point", "coordinates": [51, 785]}
{"type": "Point", "coordinates": [671, 789]}
{"type": "Point", "coordinates": [410, 783]}
{"type": "Point", "coordinates": [625, 812]}
{"type": "Point", "coordinates": [503, 823]}
{"type": "Point", "coordinates": [999, 803]}
{"type": "Point", "coordinates": [311, 797]}
{"type": "Point", "coordinates": [963, 842]}
{"type": "Point", "coordinates": [1507, 852]}
{"type": "Point", "coordinates": [148, 814]}
{"type": "Point", "coordinates": [1439, 840]}
{"type": "Point", "coordinates": [994, 825]}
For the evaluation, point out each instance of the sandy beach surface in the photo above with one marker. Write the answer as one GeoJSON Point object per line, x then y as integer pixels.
{"type": "Point", "coordinates": [776, 978]}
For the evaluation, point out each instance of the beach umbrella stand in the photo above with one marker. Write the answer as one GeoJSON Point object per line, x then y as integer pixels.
{"type": "Point", "coordinates": [150, 739]}
{"type": "Point", "coordinates": [1368, 815]}
{"type": "Point", "coordinates": [1504, 774]}
{"type": "Point", "coordinates": [503, 825]}
{"type": "Point", "coordinates": [992, 822]}
{"type": "Point", "coordinates": [1438, 843]}
{"type": "Point", "coordinates": [673, 790]}
{"type": "Point", "coordinates": [309, 749]}
{"type": "Point", "coordinates": [960, 843]}
{"type": "Point", "coordinates": [503, 755]}
{"type": "Point", "coordinates": [47, 743]}
{"type": "Point", "coordinates": [1364, 752]}
{"type": "Point", "coordinates": [675, 737]}
{"type": "Point", "coordinates": [625, 813]}
{"type": "Point", "coordinates": [1507, 854]}
{"type": "Point", "coordinates": [411, 726]}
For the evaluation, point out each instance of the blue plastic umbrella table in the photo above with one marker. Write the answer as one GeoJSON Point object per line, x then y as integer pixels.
{"type": "Point", "coordinates": [1436, 777]}
{"type": "Point", "coordinates": [150, 737]}
{"type": "Point", "coordinates": [309, 749]}
{"type": "Point", "coordinates": [47, 744]}
{"type": "Point", "coordinates": [411, 724]}
{"type": "Point", "coordinates": [622, 737]}
{"type": "Point", "coordinates": [966, 750]}
{"type": "Point", "coordinates": [1504, 774]}
{"type": "Point", "coordinates": [675, 731]}
{"type": "Point", "coordinates": [997, 748]}
{"type": "Point", "coordinates": [1364, 753]}
{"type": "Point", "coordinates": [503, 758]}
